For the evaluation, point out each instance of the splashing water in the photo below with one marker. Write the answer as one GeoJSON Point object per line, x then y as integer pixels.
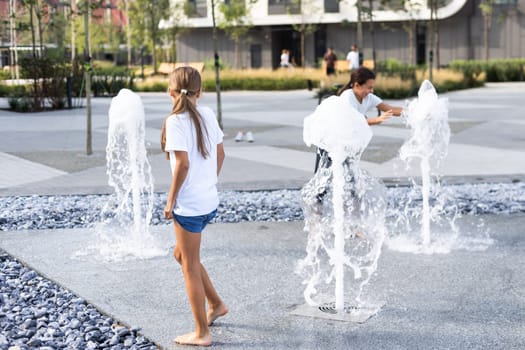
{"type": "Point", "coordinates": [427, 116]}
{"type": "Point", "coordinates": [344, 209]}
{"type": "Point", "coordinates": [125, 234]}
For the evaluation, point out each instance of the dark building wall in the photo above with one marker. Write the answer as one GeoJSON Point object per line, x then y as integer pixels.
{"type": "Point", "coordinates": [461, 37]}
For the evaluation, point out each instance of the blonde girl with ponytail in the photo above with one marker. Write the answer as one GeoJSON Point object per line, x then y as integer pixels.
{"type": "Point", "coordinates": [192, 140]}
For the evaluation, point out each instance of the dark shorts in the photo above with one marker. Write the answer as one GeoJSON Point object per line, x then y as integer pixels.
{"type": "Point", "coordinates": [330, 70]}
{"type": "Point", "coordinates": [195, 224]}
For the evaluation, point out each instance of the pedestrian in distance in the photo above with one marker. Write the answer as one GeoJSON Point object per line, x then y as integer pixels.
{"type": "Point", "coordinates": [353, 58]}
{"type": "Point", "coordinates": [193, 141]}
{"type": "Point", "coordinates": [330, 58]}
{"type": "Point", "coordinates": [285, 58]}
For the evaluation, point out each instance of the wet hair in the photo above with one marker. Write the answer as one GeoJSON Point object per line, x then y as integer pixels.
{"type": "Point", "coordinates": [361, 75]}
{"type": "Point", "coordinates": [185, 82]}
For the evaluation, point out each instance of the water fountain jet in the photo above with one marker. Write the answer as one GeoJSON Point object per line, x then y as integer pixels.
{"type": "Point", "coordinates": [344, 212]}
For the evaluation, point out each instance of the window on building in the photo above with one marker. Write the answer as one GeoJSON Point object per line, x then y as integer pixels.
{"type": "Point", "coordinates": [196, 8]}
{"type": "Point", "coordinates": [282, 7]}
{"type": "Point", "coordinates": [331, 6]}
{"type": "Point", "coordinates": [393, 5]}
{"type": "Point", "coordinates": [506, 2]}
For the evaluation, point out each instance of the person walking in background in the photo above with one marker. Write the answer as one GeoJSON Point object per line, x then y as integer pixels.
{"type": "Point", "coordinates": [353, 58]}
{"type": "Point", "coordinates": [285, 58]}
{"type": "Point", "coordinates": [329, 59]}
{"type": "Point", "coordinates": [360, 92]}
{"type": "Point", "coordinates": [193, 141]}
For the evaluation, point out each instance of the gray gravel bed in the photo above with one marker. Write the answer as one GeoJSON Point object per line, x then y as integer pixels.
{"type": "Point", "coordinates": [36, 313]}
{"type": "Point", "coordinates": [75, 211]}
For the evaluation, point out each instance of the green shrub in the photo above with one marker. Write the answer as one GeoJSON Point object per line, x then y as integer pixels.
{"type": "Point", "coordinates": [19, 99]}
{"type": "Point", "coordinates": [392, 67]}
{"type": "Point", "coordinates": [158, 86]}
{"type": "Point", "coordinates": [290, 83]}
{"type": "Point", "coordinates": [4, 74]}
{"type": "Point", "coordinates": [210, 64]}
{"type": "Point", "coordinates": [505, 70]}
{"type": "Point", "coordinates": [495, 70]}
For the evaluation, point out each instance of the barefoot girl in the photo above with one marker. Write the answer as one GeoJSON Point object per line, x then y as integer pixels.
{"type": "Point", "coordinates": [192, 139]}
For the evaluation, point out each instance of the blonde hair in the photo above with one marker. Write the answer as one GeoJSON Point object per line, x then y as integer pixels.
{"type": "Point", "coordinates": [185, 82]}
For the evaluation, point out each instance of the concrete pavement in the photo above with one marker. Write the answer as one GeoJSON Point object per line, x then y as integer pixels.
{"type": "Point", "coordinates": [487, 142]}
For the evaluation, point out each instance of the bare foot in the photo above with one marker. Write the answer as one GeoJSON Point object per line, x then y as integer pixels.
{"type": "Point", "coordinates": [192, 339]}
{"type": "Point", "coordinates": [214, 314]}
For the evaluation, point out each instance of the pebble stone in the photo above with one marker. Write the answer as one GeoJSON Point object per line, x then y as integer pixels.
{"type": "Point", "coordinates": [36, 313]}
{"type": "Point", "coordinates": [78, 211]}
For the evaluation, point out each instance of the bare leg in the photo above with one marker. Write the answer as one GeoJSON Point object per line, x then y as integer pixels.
{"type": "Point", "coordinates": [217, 308]}
{"type": "Point", "coordinates": [189, 247]}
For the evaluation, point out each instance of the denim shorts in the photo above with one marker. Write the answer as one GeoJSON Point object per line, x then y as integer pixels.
{"type": "Point", "coordinates": [195, 223]}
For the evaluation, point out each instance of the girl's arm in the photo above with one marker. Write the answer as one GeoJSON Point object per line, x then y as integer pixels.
{"type": "Point", "coordinates": [182, 166]}
{"type": "Point", "coordinates": [388, 112]}
{"type": "Point", "coordinates": [385, 107]}
{"type": "Point", "coordinates": [220, 157]}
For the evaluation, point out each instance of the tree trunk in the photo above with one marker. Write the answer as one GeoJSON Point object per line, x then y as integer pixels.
{"type": "Point", "coordinates": [359, 30]}
{"type": "Point", "coordinates": [73, 32]}
{"type": "Point", "coordinates": [32, 24]}
{"type": "Point", "coordinates": [128, 32]}
{"type": "Point", "coordinates": [486, 29]}
{"type": "Point", "coordinates": [303, 35]}
{"type": "Point", "coordinates": [436, 28]}
{"type": "Point", "coordinates": [38, 13]}
{"type": "Point", "coordinates": [238, 58]}
{"type": "Point", "coordinates": [372, 31]}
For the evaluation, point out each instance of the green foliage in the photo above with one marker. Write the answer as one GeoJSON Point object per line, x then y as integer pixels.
{"type": "Point", "coordinates": [49, 84]}
{"type": "Point", "coordinates": [392, 67]}
{"type": "Point", "coordinates": [210, 64]}
{"type": "Point", "coordinates": [159, 86]}
{"type": "Point", "coordinates": [471, 70]}
{"type": "Point", "coordinates": [111, 84]}
{"type": "Point", "coordinates": [289, 83]}
{"type": "Point", "coordinates": [19, 99]}
{"type": "Point", "coordinates": [495, 70]}
{"type": "Point", "coordinates": [4, 74]}
{"type": "Point", "coordinates": [505, 70]}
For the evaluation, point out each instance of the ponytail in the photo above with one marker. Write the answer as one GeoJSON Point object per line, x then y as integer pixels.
{"type": "Point", "coordinates": [190, 79]}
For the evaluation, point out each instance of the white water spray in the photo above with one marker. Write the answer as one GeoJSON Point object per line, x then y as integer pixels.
{"type": "Point", "coordinates": [344, 209]}
{"type": "Point", "coordinates": [427, 116]}
{"type": "Point", "coordinates": [125, 233]}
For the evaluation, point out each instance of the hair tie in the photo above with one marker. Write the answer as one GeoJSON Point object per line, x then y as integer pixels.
{"type": "Point", "coordinates": [184, 91]}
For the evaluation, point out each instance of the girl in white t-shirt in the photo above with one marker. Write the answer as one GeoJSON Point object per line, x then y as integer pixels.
{"type": "Point", "coordinates": [360, 92]}
{"type": "Point", "coordinates": [192, 139]}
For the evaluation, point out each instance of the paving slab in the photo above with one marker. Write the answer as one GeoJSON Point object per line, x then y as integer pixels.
{"type": "Point", "coordinates": [461, 300]}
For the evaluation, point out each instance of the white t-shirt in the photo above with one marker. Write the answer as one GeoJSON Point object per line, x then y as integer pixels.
{"type": "Point", "coordinates": [369, 102]}
{"type": "Point", "coordinates": [353, 58]}
{"type": "Point", "coordinates": [198, 194]}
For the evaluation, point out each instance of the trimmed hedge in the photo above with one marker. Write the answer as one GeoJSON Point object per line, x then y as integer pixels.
{"type": "Point", "coordinates": [500, 70]}
{"type": "Point", "coordinates": [291, 83]}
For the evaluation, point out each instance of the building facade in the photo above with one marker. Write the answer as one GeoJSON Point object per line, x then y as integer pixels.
{"type": "Point", "coordinates": [400, 31]}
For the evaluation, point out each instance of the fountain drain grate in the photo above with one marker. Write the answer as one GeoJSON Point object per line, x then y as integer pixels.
{"type": "Point", "coordinates": [330, 308]}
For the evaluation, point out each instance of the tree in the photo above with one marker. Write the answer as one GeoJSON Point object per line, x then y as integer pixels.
{"type": "Point", "coordinates": [147, 16]}
{"type": "Point", "coordinates": [309, 16]}
{"type": "Point", "coordinates": [412, 8]}
{"type": "Point", "coordinates": [487, 9]}
{"type": "Point", "coordinates": [236, 23]}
